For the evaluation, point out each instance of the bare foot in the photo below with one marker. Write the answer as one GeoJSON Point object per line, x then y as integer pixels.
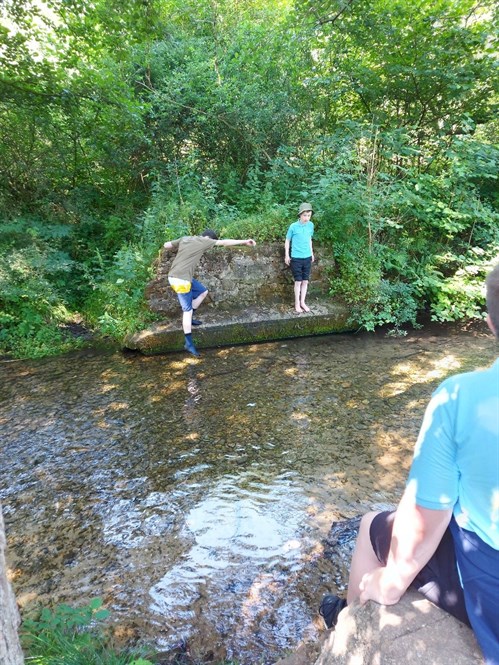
{"type": "Point", "coordinates": [298, 310]}
{"type": "Point", "coordinates": [305, 308]}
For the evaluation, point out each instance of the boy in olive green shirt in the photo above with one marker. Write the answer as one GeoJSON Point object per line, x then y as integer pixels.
{"type": "Point", "coordinates": [190, 292]}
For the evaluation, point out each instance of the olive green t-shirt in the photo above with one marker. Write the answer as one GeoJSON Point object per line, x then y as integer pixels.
{"type": "Point", "coordinates": [190, 250]}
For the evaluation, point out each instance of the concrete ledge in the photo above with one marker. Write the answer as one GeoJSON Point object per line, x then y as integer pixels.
{"type": "Point", "coordinates": [254, 324]}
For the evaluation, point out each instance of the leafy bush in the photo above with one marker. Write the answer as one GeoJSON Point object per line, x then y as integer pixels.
{"type": "Point", "coordinates": [393, 304]}
{"type": "Point", "coordinates": [375, 300]}
{"type": "Point", "coordinates": [117, 305]}
{"type": "Point", "coordinates": [358, 274]}
{"type": "Point", "coordinates": [32, 305]}
{"type": "Point", "coordinates": [266, 226]}
{"type": "Point", "coordinates": [69, 636]}
{"type": "Point", "coordinates": [462, 295]}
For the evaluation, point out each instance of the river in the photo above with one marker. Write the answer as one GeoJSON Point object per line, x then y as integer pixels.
{"type": "Point", "coordinates": [195, 495]}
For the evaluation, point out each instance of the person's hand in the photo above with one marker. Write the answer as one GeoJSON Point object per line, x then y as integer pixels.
{"type": "Point", "coordinates": [250, 242]}
{"type": "Point", "coordinates": [287, 260]}
{"type": "Point", "coordinates": [377, 586]}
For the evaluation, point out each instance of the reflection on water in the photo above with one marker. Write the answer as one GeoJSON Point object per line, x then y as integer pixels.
{"type": "Point", "coordinates": [194, 496]}
{"type": "Point", "coordinates": [239, 524]}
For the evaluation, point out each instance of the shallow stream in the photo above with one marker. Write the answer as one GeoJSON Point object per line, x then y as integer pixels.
{"type": "Point", "coordinates": [195, 496]}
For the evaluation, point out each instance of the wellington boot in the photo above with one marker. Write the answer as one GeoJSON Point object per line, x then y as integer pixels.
{"type": "Point", "coordinates": [189, 346]}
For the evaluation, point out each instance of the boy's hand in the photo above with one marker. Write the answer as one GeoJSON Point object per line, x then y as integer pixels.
{"type": "Point", "coordinates": [287, 260]}
{"type": "Point", "coordinates": [250, 242]}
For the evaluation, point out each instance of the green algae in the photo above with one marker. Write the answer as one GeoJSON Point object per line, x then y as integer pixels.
{"type": "Point", "coordinates": [165, 338]}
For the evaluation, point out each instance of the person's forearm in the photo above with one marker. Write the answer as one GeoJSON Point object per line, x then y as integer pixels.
{"type": "Point", "coordinates": [229, 242]}
{"type": "Point", "coordinates": [416, 535]}
{"type": "Point", "coordinates": [286, 248]}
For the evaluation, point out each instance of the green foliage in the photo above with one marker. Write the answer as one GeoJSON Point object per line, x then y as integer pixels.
{"type": "Point", "coordinates": [124, 125]}
{"type": "Point", "coordinates": [358, 273]}
{"type": "Point", "coordinates": [266, 225]}
{"type": "Point", "coordinates": [32, 274]}
{"type": "Point", "coordinates": [375, 301]}
{"type": "Point", "coordinates": [69, 636]}
{"type": "Point", "coordinates": [117, 304]}
{"type": "Point", "coordinates": [394, 303]}
{"type": "Point", "coordinates": [462, 294]}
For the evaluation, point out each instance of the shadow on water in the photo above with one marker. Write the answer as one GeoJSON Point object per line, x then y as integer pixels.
{"type": "Point", "coordinates": [195, 496]}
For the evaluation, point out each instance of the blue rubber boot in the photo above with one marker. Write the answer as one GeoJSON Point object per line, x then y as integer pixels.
{"type": "Point", "coordinates": [189, 346]}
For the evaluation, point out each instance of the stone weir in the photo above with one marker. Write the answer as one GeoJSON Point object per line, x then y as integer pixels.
{"type": "Point", "coordinates": [250, 300]}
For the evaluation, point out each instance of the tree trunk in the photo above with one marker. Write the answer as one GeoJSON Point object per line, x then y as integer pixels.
{"type": "Point", "coordinates": [10, 649]}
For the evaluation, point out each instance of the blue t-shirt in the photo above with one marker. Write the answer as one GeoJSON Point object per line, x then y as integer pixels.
{"type": "Point", "coordinates": [456, 465]}
{"type": "Point", "coordinates": [300, 235]}
{"type": "Point", "coordinates": [456, 459]}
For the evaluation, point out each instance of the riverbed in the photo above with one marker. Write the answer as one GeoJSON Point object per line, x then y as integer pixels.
{"type": "Point", "coordinates": [195, 495]}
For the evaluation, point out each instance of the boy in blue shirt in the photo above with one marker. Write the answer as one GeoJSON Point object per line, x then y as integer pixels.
{"type": "Point", "coordinates": [299, 237]}
{"type": "Point", "coordinates": [443, 539]}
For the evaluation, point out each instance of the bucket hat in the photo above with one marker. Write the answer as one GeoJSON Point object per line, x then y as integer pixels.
{"type": "Point", "coordinates": [305, 207]}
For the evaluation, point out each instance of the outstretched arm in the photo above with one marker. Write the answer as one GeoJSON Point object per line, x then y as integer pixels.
{"type": "Point", "coordinates": [416, 535]}
{"type": "Point", "coordinates": [230, 243]}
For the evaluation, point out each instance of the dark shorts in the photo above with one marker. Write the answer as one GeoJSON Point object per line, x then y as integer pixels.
{"type": "Point", "coordinates": [301, 269]}
{"type": "Point", "coordinates": [185, 299]}
{"type": "Point", "coordinates": [438, 580]}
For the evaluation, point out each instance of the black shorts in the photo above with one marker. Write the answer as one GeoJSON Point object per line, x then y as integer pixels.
{"type": "Point", "coordinates": [301, 269]}
{"type": "Point", "coordinates": [439, 580]}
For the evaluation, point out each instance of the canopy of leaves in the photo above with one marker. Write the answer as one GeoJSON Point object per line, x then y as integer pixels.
{"type": "Point", "coordinates": [127, 123]}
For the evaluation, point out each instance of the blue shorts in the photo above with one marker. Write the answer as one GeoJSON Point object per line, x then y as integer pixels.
{"type": "Point", "coordinates": [478, 566]}
{"type": "Point", "coordinates": [301, 269]}
{"type": "Point", "coordinates": [185, 299]}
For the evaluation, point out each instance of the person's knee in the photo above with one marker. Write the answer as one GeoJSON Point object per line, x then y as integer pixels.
{"type": "Point", "coordinates": [199, 299]}
{"type": "Point", "coordinates": [366, 521]}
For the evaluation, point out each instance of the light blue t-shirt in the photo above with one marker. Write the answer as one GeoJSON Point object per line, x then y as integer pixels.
{"type": "Point", "coordinates": [300, 234]}
{"type": "Point", "coordinates": [456, 459]}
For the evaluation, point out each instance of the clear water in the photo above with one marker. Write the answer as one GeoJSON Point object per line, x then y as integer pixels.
{"type": "Point", "coordinates": [195, 496]}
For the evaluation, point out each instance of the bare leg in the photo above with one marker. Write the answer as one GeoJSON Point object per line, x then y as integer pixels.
{"type": "Point", "coordinates": [297, 297]}
{"type": "Point", "coordinates": [187, 322]}
{"type": "Point", "coordinates": [364, 560]}
{"type": "Point", "coordinates": [197, 301]}
{"type": "Point", "coordinates": [303, 295]}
